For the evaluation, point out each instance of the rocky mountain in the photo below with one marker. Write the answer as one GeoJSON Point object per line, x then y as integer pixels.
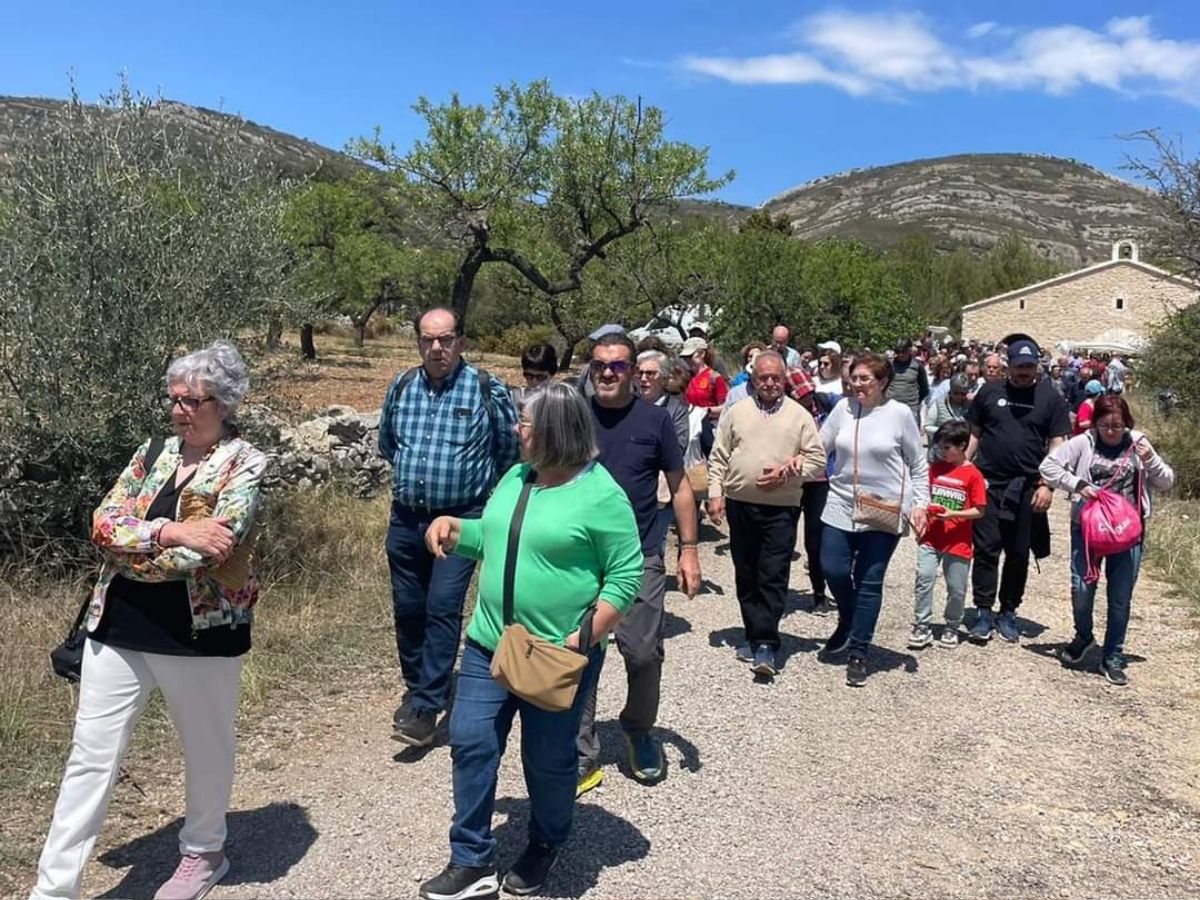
{"type": "Point", "coordinates": [21, 117]}
{"type": "Point", "coordinates": [1069, 210]}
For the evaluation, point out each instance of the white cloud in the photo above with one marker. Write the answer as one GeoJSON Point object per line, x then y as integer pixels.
{"type": "Point", "coordinates": [894, 53]}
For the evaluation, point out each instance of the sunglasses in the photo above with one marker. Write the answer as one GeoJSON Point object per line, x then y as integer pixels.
{"type": "Point", "coordinates": [617, 366]}
{"type": "Point", "coordinates": [191, 404]}
{"type": "Point", "coordinates": [648, 373]}
{"type": "Point", "coordinates": [536, 377]}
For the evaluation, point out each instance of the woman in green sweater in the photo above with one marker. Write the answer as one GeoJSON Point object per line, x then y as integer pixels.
{"type": "Point", "coordinates": [579, 547]}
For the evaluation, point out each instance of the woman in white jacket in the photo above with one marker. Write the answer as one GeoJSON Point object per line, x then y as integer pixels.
{"type": "Point", "coordinates": [1109, 454]}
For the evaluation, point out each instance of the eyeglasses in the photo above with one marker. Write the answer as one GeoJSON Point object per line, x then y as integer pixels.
{"type": "Point", "coordinates": [618, 366]}
{"type": "Point", "coordinates": [191, 404]}
{"type": "Point", "coordinates": [648, 373]}
{"type": "Point", "coordinates": [524, 423]}
{"type": "Point", "coordinates": [770, 378]}
{"type": "Point", "coordinates": [536, 377]}
{"type": "Point", "coordinates": [1110, 428]}
{"type": "Point", "coordinates": [861, 379]}
{"type": "Point", "coordinates": [443, 340]}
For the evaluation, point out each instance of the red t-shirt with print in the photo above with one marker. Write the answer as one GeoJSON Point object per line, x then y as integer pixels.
{"type": "Point", "coordinates": [956, 488]}
{"type": "Point", "coordinates": [707, 389]}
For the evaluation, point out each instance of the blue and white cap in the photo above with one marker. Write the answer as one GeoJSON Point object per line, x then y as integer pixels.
{"type": "Point", "coordinates": [1023, 353]}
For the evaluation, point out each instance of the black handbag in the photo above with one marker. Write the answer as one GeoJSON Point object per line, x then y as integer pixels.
{"type": "Point", "coordinates": [67, 658]}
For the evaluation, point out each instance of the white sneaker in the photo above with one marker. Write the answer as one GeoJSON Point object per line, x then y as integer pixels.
{"type": "Point", "coordinates": [921, 637]}
{"type": "Point", "coordinates": [949, 638]}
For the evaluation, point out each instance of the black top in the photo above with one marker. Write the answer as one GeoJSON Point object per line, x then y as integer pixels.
{"type": "Point", "coordinates": [636, 443]}
{"type": "Point", "coordinates": [1016, 425]}
{"type": "Point", "coordinates": [156, 617]}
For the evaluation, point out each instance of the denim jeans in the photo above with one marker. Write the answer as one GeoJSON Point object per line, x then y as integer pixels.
{"type": "Point", "coordinates": [427, 602]}
{"type": "Point", "coordinates": [1120, 573]}
{"type": "Point", "coordinates": [956, 569]}
{"type": "Point", "coordinates": [479, 725]}
{"type": "Point", "coordinates": [854, 564]}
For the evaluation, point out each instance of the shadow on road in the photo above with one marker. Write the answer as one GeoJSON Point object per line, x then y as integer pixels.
{"type": "Point", "coordinates": [674, 626]}
{"type": "Point", "coordinates": [599, 840]}
{"type": "Point", "coordinates": [263, 845]}
{"type": "Point", "coordinates": [612, 746]}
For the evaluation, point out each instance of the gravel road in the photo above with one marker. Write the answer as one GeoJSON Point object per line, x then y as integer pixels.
{"type": "Point", "coordinates": [979, 772]}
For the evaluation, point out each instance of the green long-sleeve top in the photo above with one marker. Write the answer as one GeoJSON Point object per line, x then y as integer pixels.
{"type": "Point", "coordinates": [579, 542]}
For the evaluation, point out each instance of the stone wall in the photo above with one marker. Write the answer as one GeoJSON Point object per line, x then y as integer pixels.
{"type": "Point", "coordinates": [1080, 308]}
{"type": "Point", "coordinates": [340, 443]}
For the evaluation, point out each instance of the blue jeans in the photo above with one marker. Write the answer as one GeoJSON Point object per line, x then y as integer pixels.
{"type": "Point", "coordinates": [854, 564]}
{"type": "Point", "coordinates": [1120, 573]}
{"type": "Point", "coordinates": [479, 725]}
{"type": "Point", "coordinates": [427, 602]}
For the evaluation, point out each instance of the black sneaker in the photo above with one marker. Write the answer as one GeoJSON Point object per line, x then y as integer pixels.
{"type": "Point", "coordinates": [837, 643]}
{"type": "Point", "coordinates": [856, 670]}
{"type": "Point", "coordinates": [1073, 653]}
{"type": "Point", "coordinates": [981, 631]}
{"type": "Point", "coordinates": [461, 883]}
{"type": "Point", "coordinates": [416, 730]}
{"type": "Point", "coordinates": [529, 873]}
{"type": "Point", "coordinates": [822, 606]}
{"type": "Point", "coordinates": [1113, 669]}
{"type": "Point", "coordinates": [1006, 626]}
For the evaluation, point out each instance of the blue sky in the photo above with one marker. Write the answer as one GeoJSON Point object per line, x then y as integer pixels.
{"type": "Point", "coordinates": [781, 92]}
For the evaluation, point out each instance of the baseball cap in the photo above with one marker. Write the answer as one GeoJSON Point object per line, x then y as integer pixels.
{"type": "Point", "coordinates": [1093, 388]}
{"type": "Point", "coordinates": [605, 331]}
{"type": "Point", "coordinates": [831, 345]}
{"type": "Point", "coordinates": [692, 346]}
{"type": "Point", "coordinates": [802, 383]}
{"type": "Point", "coordinates": [1023, 353]}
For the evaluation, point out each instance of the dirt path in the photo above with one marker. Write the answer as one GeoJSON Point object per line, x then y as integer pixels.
{"type": "Point", "coordinates": [980, 772]}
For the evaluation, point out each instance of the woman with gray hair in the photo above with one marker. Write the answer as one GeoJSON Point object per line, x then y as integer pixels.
{"type": "Point", "coordinates": [949, 408]}
{"type": "Point", "coordinates": [171, 609]}
{"type": "Point", "coordinates": [578, 550]}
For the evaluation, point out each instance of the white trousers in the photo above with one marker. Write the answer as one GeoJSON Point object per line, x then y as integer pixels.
{"type": "Point", "coordinates": [201, 695]}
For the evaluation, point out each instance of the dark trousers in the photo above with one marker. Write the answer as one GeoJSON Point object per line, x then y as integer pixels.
{"type": "Point", "coordinates": [762, 539]}
{"type": "Point", "coordinates": [855, 563]}
{"type": "Point", "coordinates": [812, 504]}
{"type": "Point", "coordinates": [639, 637]}
{"type": "Point", "coordinates": [479, 727]}
{"type": "Point", "coordinates": [1004, 528]}
{"type": "Point", "coordinates": [427, 603]}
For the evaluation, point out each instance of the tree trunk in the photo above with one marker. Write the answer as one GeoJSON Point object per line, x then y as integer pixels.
{"type": "Point", "coordinates": [464, 281]}
{"type": "Point", "coordinates": [568, 354]}
{"type": "Point", "coordinates": [274, 333]}
{"type": "Point", "coordinates": [308, 349]}
{"type": "Point", "coordinates": [360, 333]}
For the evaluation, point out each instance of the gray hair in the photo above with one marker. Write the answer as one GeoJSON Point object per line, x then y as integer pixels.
{"type": "Point", "coordinates": [657, 356]}
{"type": "Point", "coordinates": [563, 435]}
{"type": "Point", "coordinates": [960, 382]}
{"type": "Point", "coordinates": [768, 355]}
{"type": "Point", "coordinates": [218, 370]}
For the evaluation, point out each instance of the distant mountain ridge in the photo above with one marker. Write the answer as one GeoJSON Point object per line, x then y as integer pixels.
{"type": "Point", "coordinates": [1069, 210]}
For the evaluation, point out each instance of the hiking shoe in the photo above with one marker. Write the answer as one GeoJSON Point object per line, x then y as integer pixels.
{"type": "Point", "coordinates": [1073, 653]}
{"type": "Point", "coordinates": [194, 876]}
{"type": "Point", "coordinates": [856, 670]}
{"type": "Point", "coordinates": [764, 662]}
{"type": "Point", "coordinates": [920, 638]}
{"type": "Point", "coordinates": [1113, 669]}
{"type": "Point", "coordinates": [461, 883]}
{"type": "Point", "coordinates": [745, 653]}
{"type": "Point", "coordinates": [589, 777]}
{"type": "Point", "coordinates": [837, 643]}
{"type": "Point", "coordinates": [822, 606]}
{"type": "Point", "coordinates": [1006, 625]}
{"type": "Point", "coordinates": [645, 758]}
{"type": "Point", "coordinates": [949, 638]}
{"type": "Point", "coordinates": [529, 873]}
{"type": "Point", "coordinates": [981, 631]}
{"type": "Point", "coordinates": [416, 729]}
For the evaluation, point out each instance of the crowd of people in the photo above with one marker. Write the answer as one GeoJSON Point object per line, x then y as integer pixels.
{"type": "Point", "coordinates": [566, 493]}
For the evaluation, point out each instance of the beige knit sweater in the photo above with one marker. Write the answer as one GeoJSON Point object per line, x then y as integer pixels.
{"type": "Point", "coordinates": [748, 442]}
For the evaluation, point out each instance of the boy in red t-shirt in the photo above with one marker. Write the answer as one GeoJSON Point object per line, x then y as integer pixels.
{"type": "Point", "coordinates": [957, 496]}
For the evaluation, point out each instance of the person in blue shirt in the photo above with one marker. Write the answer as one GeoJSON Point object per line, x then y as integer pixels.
{"type": "Point", "coordinates": [448, 430]}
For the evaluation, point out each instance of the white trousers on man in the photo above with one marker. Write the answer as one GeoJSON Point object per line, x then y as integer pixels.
{"type": "Point", "coordinates": [201, 695]}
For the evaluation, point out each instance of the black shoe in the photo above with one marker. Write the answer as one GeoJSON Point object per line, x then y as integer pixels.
{"type": "Point", "coordinates": [822, 606]}
{"type": "Point", "coordinates": [529, 873]}
{"type": "Point", "coordinates": [856, 671]}
{"type": "Point", "coordinates": [837, 643]}
{"type": "Point", "coordinates": [416, 730]}
{"type": "Point", "coordinates": [461, 883]}
{"type": "Point", "coordinates": [1113, 669]}
{"type": "Point", "coordinates": [1073, 653]}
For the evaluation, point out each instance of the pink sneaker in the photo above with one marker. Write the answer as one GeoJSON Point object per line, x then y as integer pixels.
{"type": "Point", "coordinates": [195, 876]}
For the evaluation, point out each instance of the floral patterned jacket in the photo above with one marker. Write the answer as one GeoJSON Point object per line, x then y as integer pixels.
{"type": "Point", "coordinates": [231, 474]}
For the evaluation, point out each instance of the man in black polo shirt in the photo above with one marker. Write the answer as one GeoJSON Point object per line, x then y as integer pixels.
{"type": "Point", "coordinates": [637, 441]}
{"type": "Point", "coordinates": [1014, 424]}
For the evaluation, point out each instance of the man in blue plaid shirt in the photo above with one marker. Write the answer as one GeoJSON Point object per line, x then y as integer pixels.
{"type": "Point", "coordinates": [448, 445]}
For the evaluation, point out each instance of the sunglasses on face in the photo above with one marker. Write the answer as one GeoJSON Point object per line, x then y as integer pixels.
{"type": "Point", "coordinates": [648, 373]}
{"type": "Point", "coordinates": [191, 404]}
{"type": "Point", "coordinates": [617, 366]}
{"type": "Point", "coordinates": [536, 377]}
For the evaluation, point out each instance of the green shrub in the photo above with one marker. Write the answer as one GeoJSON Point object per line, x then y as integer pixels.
{"type": "Point", "coordinates": [514, 339]}
{"type": "Point", "coordinates": [1169, 363]}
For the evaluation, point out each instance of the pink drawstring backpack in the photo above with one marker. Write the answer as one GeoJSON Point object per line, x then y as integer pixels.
{"type": "Point", "coordinates": [1110, 524]}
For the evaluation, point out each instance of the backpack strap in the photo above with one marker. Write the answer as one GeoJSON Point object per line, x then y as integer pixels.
{"type": "Point", "coordinates": [485, 388]}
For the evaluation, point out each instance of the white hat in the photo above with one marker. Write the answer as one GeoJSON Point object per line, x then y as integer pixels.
{"type": "Point", "coordinates": [831, 345]}
{"type": "Point", "coordinates": [692, 346]}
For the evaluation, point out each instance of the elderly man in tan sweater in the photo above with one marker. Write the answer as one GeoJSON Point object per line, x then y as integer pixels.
{"type": "Point", "coordinates": [766, 447]}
